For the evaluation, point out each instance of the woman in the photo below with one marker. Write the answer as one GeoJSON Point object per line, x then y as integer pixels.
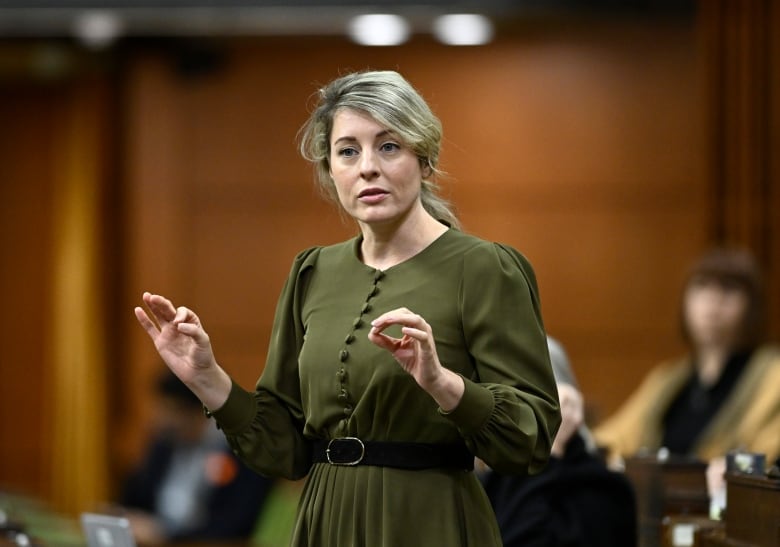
{"type": "Point", "coordinates": [723, 396]}
{"type": "Point", "coordinates": [395, 356]}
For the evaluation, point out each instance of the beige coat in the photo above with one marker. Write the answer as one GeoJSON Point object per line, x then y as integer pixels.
{"type": "Point", "coordinates": [749, 419]}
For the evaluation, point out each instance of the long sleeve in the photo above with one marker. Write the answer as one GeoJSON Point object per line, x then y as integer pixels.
{"type": "Point", "coordinates": [509, 413]}
{"type": "Point", "coordinates": [265, 427]}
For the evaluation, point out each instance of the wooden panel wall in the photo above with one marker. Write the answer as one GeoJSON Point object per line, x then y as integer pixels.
{"type": "Point", "coordinates": [580, 144]}
{"type": "Point", "coordinates": [29, 117]}
{"type": "Point", "coordinates": [55, 275]}
{"type": "Point", "coordinates": [742, 64]}
{"type": "Point", "coordinates": [595, 148]}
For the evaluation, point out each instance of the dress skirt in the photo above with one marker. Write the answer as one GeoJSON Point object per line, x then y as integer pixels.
{"type": "Point", "coordinates": [368, 506]}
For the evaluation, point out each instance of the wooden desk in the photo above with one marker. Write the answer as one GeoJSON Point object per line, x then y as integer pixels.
{"type": "Point", "coordinates": [753, 510]}
{"type": "Point", "coordinates": [666, 488]}
{"type": "Point", "coordinates": [752, 516]}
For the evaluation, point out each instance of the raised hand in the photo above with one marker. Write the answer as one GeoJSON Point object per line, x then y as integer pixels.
{"type": "Point", "coordinates": [185, 347]}
{"type": "Point", "coordinates": [415, 351]}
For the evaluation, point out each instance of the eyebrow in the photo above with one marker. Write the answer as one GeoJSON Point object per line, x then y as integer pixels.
{"type": "Point", "coordinates": [379, 135]}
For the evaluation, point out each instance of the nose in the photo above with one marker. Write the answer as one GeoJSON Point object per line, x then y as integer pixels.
{"type": "Point", "coordinates": [368, 165]}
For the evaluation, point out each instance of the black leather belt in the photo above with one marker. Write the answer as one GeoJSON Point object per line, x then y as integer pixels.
{"type": "Point", "coordinates": [353, 451]}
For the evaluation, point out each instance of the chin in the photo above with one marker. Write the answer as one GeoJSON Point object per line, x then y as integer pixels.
{"type": "Point", "coordinates": [378, 218]}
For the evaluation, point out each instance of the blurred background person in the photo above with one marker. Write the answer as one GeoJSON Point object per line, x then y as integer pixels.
{"type": "Point", "coordinates": [576, 500]}
{"type": "Point", "coordinates": [724, 394]}
{"type": "Point", "coordinates": [190, 486]}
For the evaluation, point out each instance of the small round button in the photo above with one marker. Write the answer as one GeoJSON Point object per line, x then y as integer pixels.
{"type": "Point", "coordinates": [358, 323]}
{"type": "Point", "coordinates": [366, 307]}
{"type": "Point", "coordinates": [348, 410]}
{"type": "Point", "coordinates": [343, 355]}
{"type": "Point", "coordinates": [349, 339]}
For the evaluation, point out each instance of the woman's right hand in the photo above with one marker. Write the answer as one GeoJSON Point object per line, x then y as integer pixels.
{"type": "Point", "coordinates": [185, 347]}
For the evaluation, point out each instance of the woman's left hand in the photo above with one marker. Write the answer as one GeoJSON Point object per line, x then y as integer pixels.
{"type": "Point", "coordinates": [415, 351]}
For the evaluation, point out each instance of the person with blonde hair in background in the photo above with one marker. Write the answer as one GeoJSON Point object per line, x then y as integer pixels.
{"type": "Point", "coordinates": [395, 356]}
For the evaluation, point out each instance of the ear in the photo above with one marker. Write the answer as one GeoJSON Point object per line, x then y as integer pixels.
{"type": "Point", "coordinates": [425, 167]}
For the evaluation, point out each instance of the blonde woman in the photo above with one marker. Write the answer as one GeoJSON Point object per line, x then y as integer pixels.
{"type": "Point", "coordinates": [396, 356]}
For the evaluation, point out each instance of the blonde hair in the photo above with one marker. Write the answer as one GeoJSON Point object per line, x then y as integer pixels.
{"type": "Point", "coordinates": [392, 101]}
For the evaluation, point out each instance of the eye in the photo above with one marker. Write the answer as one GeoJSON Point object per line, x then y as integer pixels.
{"type": "Point", "coordinates": [347, 152]}
{"type": "Point", "coordinates": [390, 147]}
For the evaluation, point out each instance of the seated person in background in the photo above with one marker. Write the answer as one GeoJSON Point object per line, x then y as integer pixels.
{"type": "Point", "coordinates": [724, 394]}
{"type": "Point", "coordinates": [576, 501]}
{"type": "Point", "coordinates": [190, 486]}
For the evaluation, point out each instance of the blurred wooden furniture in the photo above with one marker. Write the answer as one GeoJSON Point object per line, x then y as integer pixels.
{"type": "Point", "coordinates": [666, 487]}
{"type": "Point", "coordinates": [688, 530]}
{"type": "Point", "coordinates": [753, 510]}
{"type": "Point", "coordinates": [752, 516]}
{"type": "Point", "coordinates": [673, 505]}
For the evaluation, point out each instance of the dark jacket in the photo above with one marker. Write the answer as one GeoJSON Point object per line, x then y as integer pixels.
{"type": "Point", "coordinates": [232, 503]}
{"type": "Point", "coordinates": [575, 502]}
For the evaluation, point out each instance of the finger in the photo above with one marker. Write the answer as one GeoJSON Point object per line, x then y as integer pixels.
{"type": "Point", "coordinates": [417, 334]}
{"type": "Point", "coordinates": [161, 307]}
{"type": "Point", "coordinates": [184, 315]}
{"type": "Point", "coordinates": [402, 316]}
{"type": "Point", "coordinates": [382, 340]}
{"type": "Point", "coordinates": [149, 326]}
{"type": "Point", "coordinates": [195, 332]}
{"type": "Point", "coordinates": [393, 315]}
{"type": "Point", "coordinates": [149, 313]}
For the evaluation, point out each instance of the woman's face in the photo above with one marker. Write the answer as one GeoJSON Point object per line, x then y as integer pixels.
{"type": "Point", "coordinates": [714, 313]}
{"type": "Point", "coordinates": [377, 177]}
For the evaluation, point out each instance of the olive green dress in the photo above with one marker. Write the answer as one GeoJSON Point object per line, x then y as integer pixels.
{"type": "Point", "coordinates": [324, 379]}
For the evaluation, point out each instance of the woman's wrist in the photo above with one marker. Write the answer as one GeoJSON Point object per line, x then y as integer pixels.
{"type": "Point", "coordinates": [212, 387]}
{"type": "Point", "coordinates": [447, 390]}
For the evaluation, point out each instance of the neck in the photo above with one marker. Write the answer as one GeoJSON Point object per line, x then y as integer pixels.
{"type": "Point", "coordinates": [384, 247]}
{"type": "Point", "coordinates": [710, 363]}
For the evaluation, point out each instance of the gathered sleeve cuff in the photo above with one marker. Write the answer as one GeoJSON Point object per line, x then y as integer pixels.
{"type": "Point", "coordinates": [474, 409]}
{"type": "Point", "coordinates": [236, 413]}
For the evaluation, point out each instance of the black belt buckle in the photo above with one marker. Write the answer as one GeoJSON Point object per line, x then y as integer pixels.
{"type": "Point", "coordinates": [345, 451]}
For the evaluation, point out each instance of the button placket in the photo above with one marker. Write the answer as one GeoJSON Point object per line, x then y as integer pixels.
{"type": "Point", "coordinates": [343, 396]}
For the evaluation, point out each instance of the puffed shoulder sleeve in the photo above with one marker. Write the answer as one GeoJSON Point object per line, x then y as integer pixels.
{"type": "Point", "coordinates": [265, 427]}
{"type": "Point", "coordinates": [509, 412]}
